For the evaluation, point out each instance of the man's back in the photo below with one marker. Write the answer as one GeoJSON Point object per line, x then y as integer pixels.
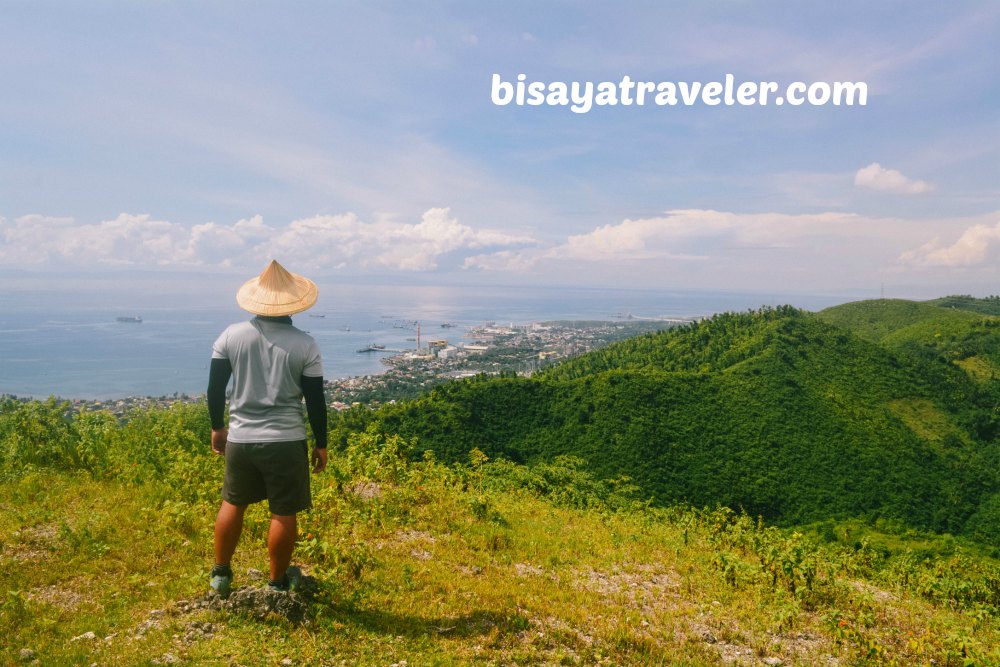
{"type": "Point", "coordinates": [269, 357]}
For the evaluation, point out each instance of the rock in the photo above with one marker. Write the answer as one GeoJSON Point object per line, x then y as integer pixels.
{"type": "Point", "coordinates": [26, 654]}
{"type": "Point", "coordinates": [169, 659]}
{"type": "Point", "coordinates": [85, 635]}
{"type": "Point", "coordinates": [286, 662]}
{"type": "Point", "coordinates": [773, 661]}
{"type": "Point", "coordinates": [250, 601]}
{"type": "Point", "coordinates": [258, 603]}
{"type": "Point", "coordinates": [254, 574]}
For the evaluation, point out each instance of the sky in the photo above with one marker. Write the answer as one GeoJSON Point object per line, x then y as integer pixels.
{"type": "Point", "coordinates": [360, 141]}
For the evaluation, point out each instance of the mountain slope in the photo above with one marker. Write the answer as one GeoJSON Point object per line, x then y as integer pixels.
{"type": "Point", "coordinates": [987, 306]}
{"type": "Point", "coordinates": [778, 412]}
{"type": "Point", "coordinates": [970, 340]}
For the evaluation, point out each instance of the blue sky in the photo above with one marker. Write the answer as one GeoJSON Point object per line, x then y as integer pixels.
{"type": "Point", "coordinates": [359, 139]}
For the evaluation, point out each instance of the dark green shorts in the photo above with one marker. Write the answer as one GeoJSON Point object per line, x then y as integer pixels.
{"type": "Point", "coordinates": [278, 471]}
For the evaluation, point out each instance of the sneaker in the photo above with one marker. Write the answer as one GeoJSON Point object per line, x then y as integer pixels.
{"type": "Point", "coordinates": [221, 582]}
{"type": "Point", "coordinates": [290, 582]}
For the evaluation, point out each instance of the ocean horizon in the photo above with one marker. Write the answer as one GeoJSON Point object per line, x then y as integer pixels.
{"type": "Point", "coordinates": [70, 344]}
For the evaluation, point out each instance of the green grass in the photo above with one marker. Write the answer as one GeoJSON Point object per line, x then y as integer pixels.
{"type": "Point", "coordinates": [480, 563]}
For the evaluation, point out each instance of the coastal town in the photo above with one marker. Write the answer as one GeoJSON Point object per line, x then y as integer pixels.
{"type": "Point", "coordinates": [489, 348]}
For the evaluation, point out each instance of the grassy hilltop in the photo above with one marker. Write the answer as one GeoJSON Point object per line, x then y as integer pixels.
{"type": "Point", "coordinates": [774, 487]}
{"type": "Point", "coordinates": [105, 542]}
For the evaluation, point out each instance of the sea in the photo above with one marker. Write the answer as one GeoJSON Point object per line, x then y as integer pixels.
{"type": "Point", "coordinates": [69, 342]}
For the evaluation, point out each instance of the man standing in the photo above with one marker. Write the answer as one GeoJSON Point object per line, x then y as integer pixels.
{"type": "Point", "coordinates": [273, 366]}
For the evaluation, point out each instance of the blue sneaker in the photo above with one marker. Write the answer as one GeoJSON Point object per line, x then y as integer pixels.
{"type": "Point", "coordinates": [221, 581]}
{"type": "Point", "coordinates": [289, 583]}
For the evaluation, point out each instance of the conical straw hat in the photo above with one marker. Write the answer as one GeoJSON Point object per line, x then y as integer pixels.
{"type": "Point", "coordinates": [277, 292]}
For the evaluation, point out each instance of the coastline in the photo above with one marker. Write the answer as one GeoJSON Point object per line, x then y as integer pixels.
{"type": "Point", "coordinates": [521, 349]}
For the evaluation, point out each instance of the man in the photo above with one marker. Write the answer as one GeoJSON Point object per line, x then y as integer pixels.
{"type": "Point", "coordinates": [273, 366]}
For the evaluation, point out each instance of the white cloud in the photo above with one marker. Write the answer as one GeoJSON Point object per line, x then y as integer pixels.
{"type": "Point", "coordinates": [877, 177]}
{"type": "Point", "coordinates": [978, 245]}
{"type": "Point", "coordinates": [707, 249]}
{"type": "Point", "coordinates": [319, 242]}
{"type": "Point", "coordinates": [504, 260]}
{"type": "Point", "coordinates": [686, 234]}
{"type": "Point", "coordinates": [690, 248]}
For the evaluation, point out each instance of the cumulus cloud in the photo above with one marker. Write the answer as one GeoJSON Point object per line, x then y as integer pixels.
{"type": "Point", "coordinates": [685, 234]}
{"type": "Point", "coordinates": [320, 242]}
{"type": "Point", "coordinates": [978, 245]}
{"type": "Point", "coordinates": [877, 177]}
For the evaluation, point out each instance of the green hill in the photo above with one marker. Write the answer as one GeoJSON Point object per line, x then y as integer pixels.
{"type": "Point", "coordinates": [777, 412]}
{"type": "Point", "coordinates": [969, 339]}
{"type": "Point", "coordinates": [879, 319]}
{"type": "Point", "coordinates": [987, 306]}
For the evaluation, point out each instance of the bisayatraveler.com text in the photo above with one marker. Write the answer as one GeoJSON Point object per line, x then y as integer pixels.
{"type": "Point", "coordinates": [582, 96]}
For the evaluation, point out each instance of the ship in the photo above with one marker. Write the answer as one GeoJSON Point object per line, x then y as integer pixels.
{"type": "Point", "coordinates": [131, 318]}
{"type": "Point", "coordinates": [374, 347]}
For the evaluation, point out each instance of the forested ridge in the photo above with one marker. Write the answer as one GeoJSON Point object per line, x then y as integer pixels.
{"type": "Point", "coordinates": [790, 415]}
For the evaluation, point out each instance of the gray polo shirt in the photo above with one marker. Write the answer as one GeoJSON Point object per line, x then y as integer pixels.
{"type": "Point", "coordinates": [268, 359]}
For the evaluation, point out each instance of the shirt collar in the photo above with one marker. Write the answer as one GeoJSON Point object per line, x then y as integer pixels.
{"type": "Point", "coordinates": [282, 319]}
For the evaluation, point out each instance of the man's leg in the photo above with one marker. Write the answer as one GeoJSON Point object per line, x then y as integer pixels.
{"type": "Point", "coordinates": [228, 526]}
{"type": "Point", "coordinates": [281, 536]}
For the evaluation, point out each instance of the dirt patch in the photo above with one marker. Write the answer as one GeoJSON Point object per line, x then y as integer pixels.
{"type": "Point", "coordinates": [528, 570]}
{"type": "Point", "coordinates": [58, 597]}
{"type": "Point", "coordinates": [32, 543]}
{"type": "Point", "coordinates": [639, 585]}
{"type": "Point", "coordinates": [734, 648]}
{"type": "Point", "coordinates": [365, 490]}
{"type": "Point", "coordinates": [415, 536]}
{"type": "Point", "coordinates": [877, 594]}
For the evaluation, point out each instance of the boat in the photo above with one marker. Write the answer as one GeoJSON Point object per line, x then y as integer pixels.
{"type": "Point", "coordinates": [131, 318]}
{"type": "Point", "coordinates": [374, 347]}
